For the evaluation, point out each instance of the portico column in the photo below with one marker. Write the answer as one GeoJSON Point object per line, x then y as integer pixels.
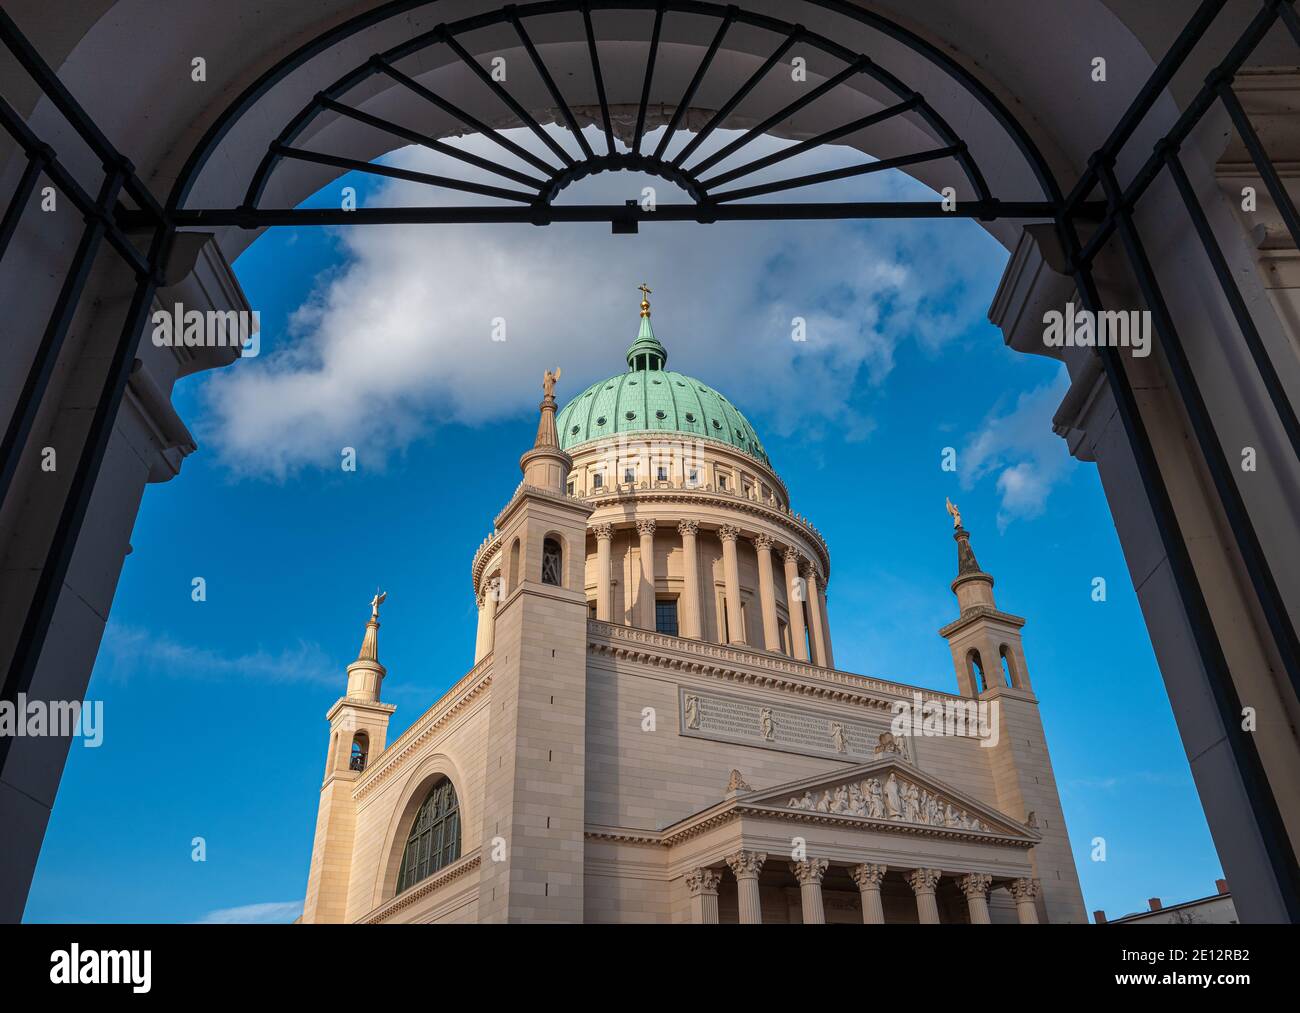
{"type": "Point", "coordinates": [868, 878]}
{"type": "Point", "coordinates": [604, 536]}
{"type": "Point", "coordinates": [731, 573]}
{"type": "Point", "coordinates": [646, 596]}
{"type": "Point", "coordinates": [809, 873]}
{"type": "Point", "coordinates": [976, 889]}
{"type": "Point", "coordinates": [923, 883]}
{"type": "Point", "coordinates": [487, 620]}
{"type": "Point", "coordinates": [767, 593]}
{"type": "Point", "coordinates": [794, 600]}
{"type": "Point", "coordinates": [826, 624]}
{"type": "Point", "coordinates": [745, 866]}
{"type": "Point", "coordinates": [815, 614]}
{"type": "Point", "coordinates": [1024, 891]}
{"type": "Point", "coordinates": [703, 884]}
{"type": "Point", "coordinates": [689, 620]}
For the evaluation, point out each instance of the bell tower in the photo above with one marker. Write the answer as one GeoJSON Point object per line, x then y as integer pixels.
{"type": "Point", "coordinates": [989, 659]}
{"type": "Point", "coordinates": [533, 807]}
{"type": "Point", "coordinates": [358, 732]}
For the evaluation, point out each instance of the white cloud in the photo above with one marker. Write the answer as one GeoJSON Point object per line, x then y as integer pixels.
{"type": "Point", "coordinates": [398, 339]}
{"type": "Point", "coordinates": [1020, 449]}
{"type": "Point", "coordinates": [133, 650]}
{"type": "Point", "coordinates": [273, 913]}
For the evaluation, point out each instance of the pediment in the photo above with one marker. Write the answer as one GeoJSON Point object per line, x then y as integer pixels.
{"type": "Point", "coordinates": [887, 793]}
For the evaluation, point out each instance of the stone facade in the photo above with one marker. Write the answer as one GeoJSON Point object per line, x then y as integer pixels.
{"type": "Point", "coordinates": [654, 729]}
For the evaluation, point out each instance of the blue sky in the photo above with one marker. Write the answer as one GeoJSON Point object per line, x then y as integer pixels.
{"type": "Point", "coordinates": [378, 338]}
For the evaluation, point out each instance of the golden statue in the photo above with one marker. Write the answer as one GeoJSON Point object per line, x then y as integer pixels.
{"type": "Point", "coordinates": [548, 381]}
{"type": "Point", "coordinates": [645, 301]}
{"type": "Point", "coordinates": [956, 514]}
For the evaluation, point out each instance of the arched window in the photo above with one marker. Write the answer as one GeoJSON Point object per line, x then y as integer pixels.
{"type": "Point", "coordinates": [976, 666]}
{"type": "Point", "coordinates": [434, 840]}
{"type": "Point", "coordinates": [552, 563]}
{"type": "Point", "coordinates": [514, 566]}
{"type": "Point", "coordinates": [1008, 667]}
{"type": "Point", "coordinates": [360, 748]}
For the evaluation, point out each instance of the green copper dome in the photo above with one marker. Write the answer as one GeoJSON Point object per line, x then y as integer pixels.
{"type": "Point", "coordinates": [649, 398]}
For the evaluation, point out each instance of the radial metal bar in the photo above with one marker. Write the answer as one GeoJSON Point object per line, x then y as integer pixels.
{"type": "Point", "coordinates": [18, 203]}
{"type": "Point", "coordinates": [415, 137]}
{"type": "Point", "coordinates": [1207, 439]}
{"type": "Point", "coordinates": [600, 79]}
{"type": "Point", "coordinates": [451, 109]}
{"type": "Point", "coordinates": [1262, 162]}
{"type": "Point", "coordinates": [798, 149]}
{"type": "Point", "coordinates": [649, 76]}
{"type": "Point", "coordinates": [696, 78]}
{"type": "Point", "coordinates": [833, 174]}
{"type": "Point", "coordinates": [549, 81]}
{"type": "Point", "coordinates": [784, 113]}
{"type": "Point", "coordinates": [729, 106]}
{"type": "Point", "coordinates": [525, 117]}
{"type": "Point", "coordinates": [373, 168]}
{"type": "Point", "coordinates": [1240, 312]}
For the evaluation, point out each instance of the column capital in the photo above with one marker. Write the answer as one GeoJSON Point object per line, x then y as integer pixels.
{"type": "Point", "coordinates": [762, 542]}
{"type": "Point", "coordinates": [691, 528]}
{"type": "Point", "coordinates": [810, 871]}
{"type": "Point", "coordinates": [791, 555]}
{"type": "Point", "coordinates": [924, 880]}
{"type": "Point", "coordinates": [603, 531]}
{"type": "Point", "coordinates": [645, 527]}
{"type": "Point", "coordinates": [868, 876]}
{"type": "Point", "coordinates": [703, 882]}
{"type": "Point", "coordinates": [975, 884]}
{"type": "Point", "coordinates": [1025, 889]}
{"type": "Point", "coordinates": [808, 570]}
{"type": "Point", "coordinates": [746, 864]}
{"type": "Point", "coordinates": [729, 532]}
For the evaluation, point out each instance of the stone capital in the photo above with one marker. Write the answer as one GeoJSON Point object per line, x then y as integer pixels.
{"type": "Point", "coordinates": [746, 864]}
{"type": "Point", "coordinates": [685, 528]}
{"type": "Point", "coordinates": [645, 528]}
{"type": "Point", "coordinates": [791, 555]}
{"type": "Point", "coordinates": [868, 876]}
{"type": "Point", "coordinates": [729, 532]}
{"type": "Point", "coordinates": [603, 531]}
{"type": "Point", "coordinates": [764, 542]}
{"type": "Point", "coordinates": [703, 881]}
{"type": "Point", "coordinates": [924, 880]}
{"type": "Point", "coordinates": [975, 884]}
{"type": "Point", "coordinates": [1024, 889]}
{"type": "Point", "coordinates": [809, 872]}
{"type": "Point", "coordinates": [808, 570]}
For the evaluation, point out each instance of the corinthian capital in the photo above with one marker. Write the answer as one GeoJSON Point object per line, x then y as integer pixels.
{"type": "Point", "coordinates": [644, 528]}
{"type": "Point", "coordinates": [728, 532]}
{"type": "Point", "coordinates": [868, 876]}
{"type": "Point", "coordinates": [808, 569]}
{"type": "Point", "coordinates": [924, 880]}
{"type": "Point", "coordinates": [747, 864]}
{"type": "Point", "coordinates": [764, 542]}
{"type": "Point", "coordinates": [975, 885]}
{"type": "Point", "coordinates": [791, 555]}
{"type": "Point", "coordinates": [1024, 889]}
{"type": "Point", "coordinates": [691, 528]}
{"type": "Point", "coordinates": [809, 872]}
{"type": "Point", "coordinates": [703, 881]}
{"type": "Point", "coordinates": [605, 531]}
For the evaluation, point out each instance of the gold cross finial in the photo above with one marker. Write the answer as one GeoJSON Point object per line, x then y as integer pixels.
{"type": "Point", "coordinates": [645, 302]}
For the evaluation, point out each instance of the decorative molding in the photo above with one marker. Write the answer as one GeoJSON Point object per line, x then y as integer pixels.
{"type": "Point", "coordinates": [703, 881]}
{"type": "Point", "coordinates": [977, 612]}
{"type": "Point", "coordinates": [737, 783]}
{"type": "Point", "coordinates": [423, 888]}
{"type": "Point", "coordinates": [474, 682]}
{"type": "Point", "coordinates": [894, 799]}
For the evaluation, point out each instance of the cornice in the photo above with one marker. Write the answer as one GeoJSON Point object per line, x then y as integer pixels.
{"type": "Point", "coordinates": [730, 664]}
{"type": "Point", "coordinates": [977, 612]}
{"type": "Point", "coordinates": [474, 682]}
{"type": "Point", "coordinates": [423, 888]}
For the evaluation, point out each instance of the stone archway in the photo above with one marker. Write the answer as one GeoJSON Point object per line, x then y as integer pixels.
{"type": "Point", "coordinates": [159, 123]}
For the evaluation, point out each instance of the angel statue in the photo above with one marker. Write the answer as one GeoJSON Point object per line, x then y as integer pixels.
{"type": "Point", "coordinates": [376, 601]}
{"type": "Point", "coordinates": [548, 381]}
{"type": "Point", "coordinates": [956, 514]}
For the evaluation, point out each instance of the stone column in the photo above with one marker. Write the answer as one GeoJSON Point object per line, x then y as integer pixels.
{"type": "Point", "coordinates": [815, 613]}
{"type": "Point", "coordinates": [745, 866]}
{"type": "Point", "coordinates": [924, 883]}
{"type": "Point", "coordinates": [487, 620]}
{"type": "Point", "coordinates": [826, 625]}
{"type": "Point", "coordinates": [868, 878]}
{"type": "Point", "coordinates": [793, 598]}
{"type": "Point", "coordinates": [1024, 891]}
{"type": "Point", "coordinates": [976, 889]}
{"type": "Point", "coordinates": [809, 874]}
{"type": "Point", "coordinates": [688, 622]}
{"type": "Point", "coordinates": [703, 884]}
{"type": "Point", "coordinates": [604, 600]}
{"type": "Point", "coordinates": [731, 573]}
{"type": "Point", "coordinates": [767, 593]}
{"type": "Point", "coordinates": [645, 602]}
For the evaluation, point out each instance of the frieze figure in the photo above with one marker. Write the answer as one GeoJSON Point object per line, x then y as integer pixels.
{"type": "Point", "coordinates": [837, 736]}
{"type": "Point", "coordinates": [768, 724]}
{"type": "Point", "coordinates": [693, 712]}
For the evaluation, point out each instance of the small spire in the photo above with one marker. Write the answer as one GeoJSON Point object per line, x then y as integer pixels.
{"type": "Point", "coordinates": [546, 432]}
{"type": "Point", "coordinates": [646, 352]}
{"type": "Point", "coordinates": [370, 642]}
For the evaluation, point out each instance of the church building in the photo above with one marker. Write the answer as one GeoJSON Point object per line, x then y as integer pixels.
{"type": "Point", "coordinates": [653, 728]}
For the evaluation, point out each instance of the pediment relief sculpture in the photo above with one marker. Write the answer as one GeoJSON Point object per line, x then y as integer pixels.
{"type": "Point", "coordinates": [890, 798]}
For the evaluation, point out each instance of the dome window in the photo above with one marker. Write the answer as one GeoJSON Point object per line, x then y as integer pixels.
{"type": "Point", "coordinates": [600, 421]}
{"type": "Point", "coordinates": [717, 424]}
{"type": "Point", "coordinates": [660, 415]}
{"type": "Point", "coordinates": [629, 416]}
{"type": "Point", "coordinates": [631, 383]}
{"type": "Point", "coordinates": [574, 431]}
{"type": "Point", "coordinates": [657, 382]}
{"type": "Point", "coordinates": [690, 417]}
